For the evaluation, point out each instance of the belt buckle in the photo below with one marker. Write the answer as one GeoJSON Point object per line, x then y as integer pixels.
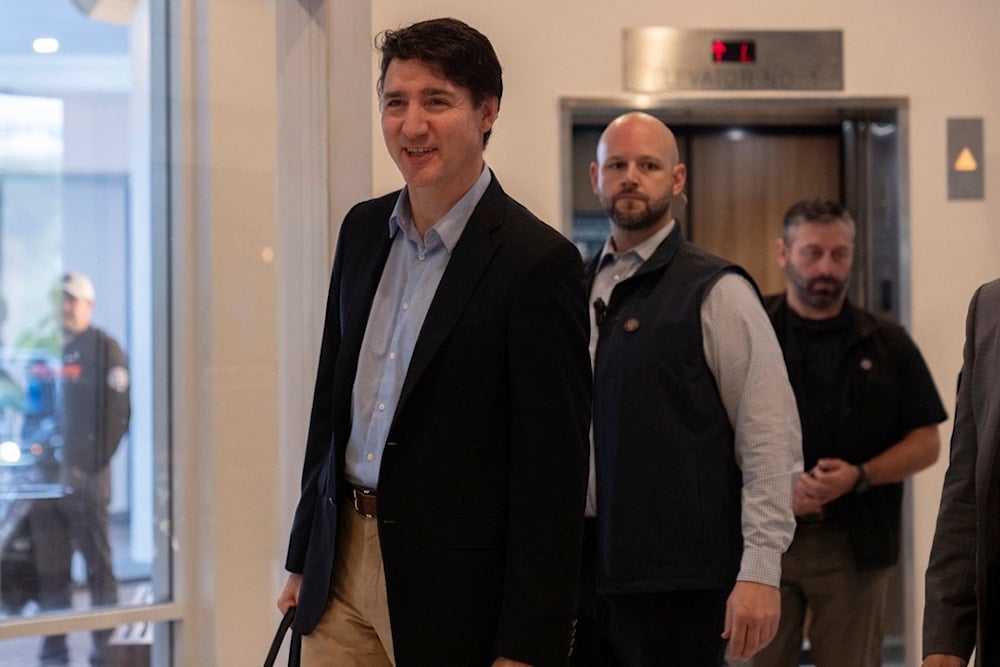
{"type": "Point", "coordinates": [355, 492]}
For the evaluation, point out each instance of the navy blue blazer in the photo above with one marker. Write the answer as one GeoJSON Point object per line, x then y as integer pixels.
{"type": "Point", "coordinates": [482, 482]}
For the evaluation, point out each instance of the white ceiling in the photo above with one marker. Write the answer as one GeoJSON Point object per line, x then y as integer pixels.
{"type": "Point", "coordinates": [93, 55]}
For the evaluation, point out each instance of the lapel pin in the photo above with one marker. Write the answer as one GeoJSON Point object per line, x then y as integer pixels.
{"type": "Point", "coordinates": [866, 364]}
{"type": "Point", "coordinates": [631, 325]}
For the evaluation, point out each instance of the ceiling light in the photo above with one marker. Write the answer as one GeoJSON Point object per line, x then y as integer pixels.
{"type": "Point", "coordinates": [45, 45]}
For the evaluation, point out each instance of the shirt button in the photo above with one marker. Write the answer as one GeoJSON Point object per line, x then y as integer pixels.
{"type": "Point", "coordinates": [421, 256]}
{"type": "Point", "coordinates": [406, 305]}
{"type": "Point", "coordinates": [392, 356]}
{"type": "Point", "coordinates": [617, 277]}
{"type": "Point", "coordinates": [381, 406]}
{"type": "Point", "coordinates": [369, 457]}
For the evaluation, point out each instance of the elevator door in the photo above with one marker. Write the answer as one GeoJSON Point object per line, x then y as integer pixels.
{"type": "Point", "coordinates": [749, 160]}
{"type": "Point", "coordinates": [741, 182]}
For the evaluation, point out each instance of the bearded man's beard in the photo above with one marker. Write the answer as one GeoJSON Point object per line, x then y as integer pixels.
{"type": "Point", "coordinates": [635, 217]}
{"type": "Point", "coordinates": [820, 292]}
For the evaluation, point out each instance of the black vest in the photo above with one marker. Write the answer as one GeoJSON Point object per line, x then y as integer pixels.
{"type": "Point", "coordinates": [668, 487]}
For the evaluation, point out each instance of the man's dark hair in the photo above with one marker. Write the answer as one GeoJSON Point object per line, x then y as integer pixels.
{"type": "Point", "coordinates": [818, 211]}
{"type": "Point", "coordinates": [456, 51]}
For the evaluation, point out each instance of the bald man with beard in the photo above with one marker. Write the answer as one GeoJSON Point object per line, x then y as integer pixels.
{"type": "Point", "coordinates": [695, 435]}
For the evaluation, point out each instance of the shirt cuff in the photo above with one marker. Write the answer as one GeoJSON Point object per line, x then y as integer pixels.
{"type": "Point", "coordinates": [762, 566]}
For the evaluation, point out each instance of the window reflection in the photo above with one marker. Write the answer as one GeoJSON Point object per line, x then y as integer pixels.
{"type": "Point", "coordinates": [76, 447]}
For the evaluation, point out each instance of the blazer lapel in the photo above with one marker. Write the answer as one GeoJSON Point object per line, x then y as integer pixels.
{"type": "Point", "coordinates": [470, 258]}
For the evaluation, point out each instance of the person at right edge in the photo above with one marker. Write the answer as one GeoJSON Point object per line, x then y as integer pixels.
{"type": "Point", "coordinates": [869, 413]}
{"type": "Point", "coordinates": [962, 605]}
{"type": "Point", "coordinates": [695, 435]}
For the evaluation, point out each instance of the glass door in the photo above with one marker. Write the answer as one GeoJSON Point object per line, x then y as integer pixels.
{"type": "Point", "coordinates": [84, 486]}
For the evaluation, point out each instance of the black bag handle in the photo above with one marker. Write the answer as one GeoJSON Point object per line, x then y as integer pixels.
{"type": "Point", "coordinates": [294, 648]}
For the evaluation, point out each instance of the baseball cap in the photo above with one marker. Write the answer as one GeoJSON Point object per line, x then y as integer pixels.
{"type": "Point", "coordinates": [78, 285]}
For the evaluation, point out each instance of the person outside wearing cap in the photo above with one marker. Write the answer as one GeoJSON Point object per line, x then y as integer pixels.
{"type": "Point", "coordinates": [94, 417]}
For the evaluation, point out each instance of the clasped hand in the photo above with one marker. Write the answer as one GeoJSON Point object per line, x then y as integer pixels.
{"type": "Point", "coordinates": [827, 481]}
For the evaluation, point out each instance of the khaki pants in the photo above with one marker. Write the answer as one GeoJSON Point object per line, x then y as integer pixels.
{"type": "Point", "coordinates": [354, 630]}
{"type": "Point", "coordinates": [846, 605]}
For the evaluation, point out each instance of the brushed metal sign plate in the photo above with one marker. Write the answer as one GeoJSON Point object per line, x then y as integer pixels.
{"type": "Point", "coordinates": [658, 59]}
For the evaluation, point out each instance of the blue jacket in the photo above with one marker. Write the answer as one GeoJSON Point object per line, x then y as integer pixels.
{"type": "Point", "coordinates": [482, 483]}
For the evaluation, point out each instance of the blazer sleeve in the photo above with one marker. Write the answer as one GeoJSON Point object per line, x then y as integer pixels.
{"type": "Point", "coordinates": [319, 439]}
{"type": "Point", "coordinates": [550, 392]}
{"type": "Point", "coordinates": [950, 603]}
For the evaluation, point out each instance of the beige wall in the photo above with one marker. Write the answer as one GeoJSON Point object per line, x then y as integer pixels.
{"type": "Point", "coordinates": [936, 54]}
{"type": "Point", "coordinates": [225, 333]}
{"type": "Point", "coordinates": [265, 110]}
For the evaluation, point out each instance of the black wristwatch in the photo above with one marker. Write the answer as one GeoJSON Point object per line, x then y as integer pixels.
{"type": "Point", "coordinates": [863, 483]}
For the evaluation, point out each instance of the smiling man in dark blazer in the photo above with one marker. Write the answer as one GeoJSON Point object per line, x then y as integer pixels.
{"type": "Point", "coordinates": [962, 606]}
{"type": "Point", "coordinates": [440, 520]}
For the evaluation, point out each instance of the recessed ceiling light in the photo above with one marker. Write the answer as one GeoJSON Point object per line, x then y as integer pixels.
{"type": "Point", "coordinates": [45, 45]}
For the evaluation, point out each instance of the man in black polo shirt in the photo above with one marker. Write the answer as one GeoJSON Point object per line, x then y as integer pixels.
{"type": "Point", "coordinates": [869, 413]}
{"type": "Point", "coordinates": [94, 417]}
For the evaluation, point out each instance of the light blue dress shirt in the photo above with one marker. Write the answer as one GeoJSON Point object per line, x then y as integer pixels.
{"type": "Point", "coordinates": [409, 281]}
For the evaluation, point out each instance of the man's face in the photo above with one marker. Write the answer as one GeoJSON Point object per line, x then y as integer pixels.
{"type": "Point", "coordinates": [433, 131]}
{"type": "Point", "coordinates": [76, 314]}
{"type": "Point", "coordinates": [818, 263]}
{"type": "Point", "coordinates": [636, 174]}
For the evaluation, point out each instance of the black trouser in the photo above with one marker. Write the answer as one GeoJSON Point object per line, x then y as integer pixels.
{"type": "Point", "coordinates": [77, 521]}
{"type": "Point", "coordinates": [645, 629]}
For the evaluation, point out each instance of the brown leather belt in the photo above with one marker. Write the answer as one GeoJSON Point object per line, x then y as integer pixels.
{"type": "Point", "coordinates": [363, 500]}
